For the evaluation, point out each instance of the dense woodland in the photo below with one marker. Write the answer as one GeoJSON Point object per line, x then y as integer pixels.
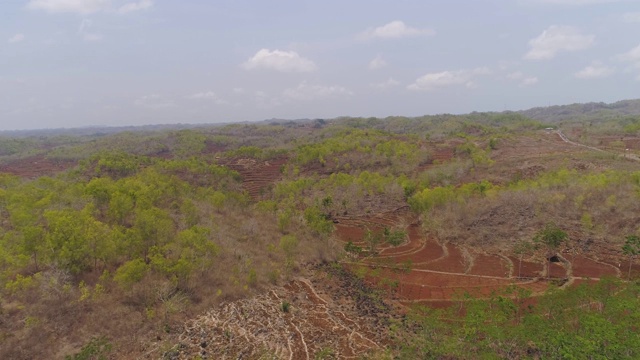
{"type": "Point", "coordinates": [109, 241]}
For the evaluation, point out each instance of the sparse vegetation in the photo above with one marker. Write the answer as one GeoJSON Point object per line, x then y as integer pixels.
{"type": "Point", "coordinates": [588, 322]}
{"type": "Point", "coordinates": [285, 306]}
{"type": "Point", "coordinates": [631, 248]}
{"type": "Point", "coordinates": [97, 348]}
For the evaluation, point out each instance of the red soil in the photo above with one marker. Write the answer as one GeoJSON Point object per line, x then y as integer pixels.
{"type": "Point", "coordinates": [585, 267]}
{"type": "Point", "coordinates": [440, 153]}
{"type": "Point", "coordinates": [421, 271]}
{"type": "Point", "coordinates": [428, 252]}
{"type": "Point", "coordinates": [527, 269]}
{"type": "Point", "coordinates": [490, 265]}
{"type": "Point", "coordinates": [349, 233]}
{"type": "Point", "coordinates": [36, 166]}
{"type": "Point", "coordinates": [557, 270]}
{"type": "Point", "coordinates": [454, 262]}
{"type": "Point", "coordinates": [257, 175]}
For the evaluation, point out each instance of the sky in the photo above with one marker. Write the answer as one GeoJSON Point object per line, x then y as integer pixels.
{"type": "Point", "coordinates": [78, 63]}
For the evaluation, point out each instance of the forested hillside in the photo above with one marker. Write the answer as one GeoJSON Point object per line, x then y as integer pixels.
{"type": "Point", "coordinates": [442, 236]}
{"type": "Point", "coordinates": [584, 112]}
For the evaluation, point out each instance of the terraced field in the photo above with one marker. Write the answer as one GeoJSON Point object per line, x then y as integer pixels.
{"type": "Point", "coordinates": [257, 175]}
{"type": "Point", "coordinates": [423, 270]}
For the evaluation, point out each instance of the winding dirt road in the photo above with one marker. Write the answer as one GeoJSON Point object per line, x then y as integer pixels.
{"type": "Point", "coordinates": [626, 155]}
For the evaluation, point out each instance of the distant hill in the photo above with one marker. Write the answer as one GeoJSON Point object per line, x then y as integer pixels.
{"type": "Point", "coordinates": [587, 111]}
{"type": "Point", "coordinates": [102, 130]}
{"type": "Point", "coordinates": [593, 111]}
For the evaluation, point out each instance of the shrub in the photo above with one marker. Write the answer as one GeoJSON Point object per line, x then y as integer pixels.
{"type": "Point", "coordinates": [285, 306]}
{"type": "Point", "coordinates": [96, 349]}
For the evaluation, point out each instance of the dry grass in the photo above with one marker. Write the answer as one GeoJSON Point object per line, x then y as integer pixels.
{"type": "Point", "coordinates": [594, 217]}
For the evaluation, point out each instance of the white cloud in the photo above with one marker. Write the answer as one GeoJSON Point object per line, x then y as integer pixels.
{"type": "Point", "coordinates": [632, 17]}
{"type": "Point", "coordinates": [85, 7]}
{"type": "Point", "coordinates": [522, 79]}
{"type": "Point", "coordinates": [306, 92]}
{"type": "Point", "coordinates": [391, 82]}
{"type": "Point", "coordinates": [394, 30]}
{"type": "Point", "coordinates": [433, 81]}
{"type": "Point", "coordinates": [264, 100]}
{"type": "Point", "coordinates": [203, 95]}
{"type": "Point", "coordinates": [154, 101]}
{"type": "Point", "coordinates": [16, 38]}
{"type": "Point", "coordinates": [557, 39]}
{"type": "Point", "coordinates": [515, 76]}
{"type": "Point", "coordinates": [135, 6]}
{"type": "Point", "coordinates": [284, 61]}
{"type": "Point", "coordinates": [632, 57]}
{"type": "Point", "coordinates": [71, 6]}
{"type": "Point", "coordinates": [377, 63]}
{"type": "Point", "coordinates": [87, 35]}
{"type": "Point", "coordinates": [208, 95]}
{"type": "Point", "coordinates": [91, 37]}
{"type": "Point", "coordinates": [577, 2]}
{"type": "Point", "coordinates": [594, 71]}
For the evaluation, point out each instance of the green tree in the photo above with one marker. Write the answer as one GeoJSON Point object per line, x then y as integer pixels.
{"type": "Point", "coordinates": [197, 247]}
{"type": "Point", "coordinates": [551, 236]}
{"type": "Point", "coordinates": [289, 245]}
{"type": "Point", "coordinates": [131, 272]}
{"type": "Point", "coordinates": [100, 189]}
{"type": "Point", "coordinates": [33, 242]}
{"type": "Point", "coordinates": [120, 207]}
{"type": "Point", "coordinates": [394, 237]}
{"type": "Point", "coordinates": [100, 245]}
{"type": "Point", "coordinates": [189, 143]}
{"type": "Point", "coordinates": [631, 248]}
{"type": "Point", "coordinates": [66, 239]}
{"type": "Point", "coordinates": [318, 221]}
{"type": "Point", "coordinates": [153, 228]}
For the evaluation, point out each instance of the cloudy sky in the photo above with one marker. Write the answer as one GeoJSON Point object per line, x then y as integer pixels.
{"type": "Point", "coordinates": [70, 63]}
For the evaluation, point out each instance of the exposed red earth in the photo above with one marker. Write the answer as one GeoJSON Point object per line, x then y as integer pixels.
{"type": "Point", "coordinates": [35, 166]}
{"type": "Point", "coordinates": [257, 175]}
{"type": "Point", "coordinates": [440, 153]}
{"type": "Point", "coordinates": [526, 269]}
{"type": "Point", "coordinates": [421, 270]}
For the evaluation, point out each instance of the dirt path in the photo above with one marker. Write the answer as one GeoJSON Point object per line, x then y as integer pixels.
{"type": "Point", "coordinates": [565, 139]}
{"type": "Point", "coordinates": [624, 156]}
